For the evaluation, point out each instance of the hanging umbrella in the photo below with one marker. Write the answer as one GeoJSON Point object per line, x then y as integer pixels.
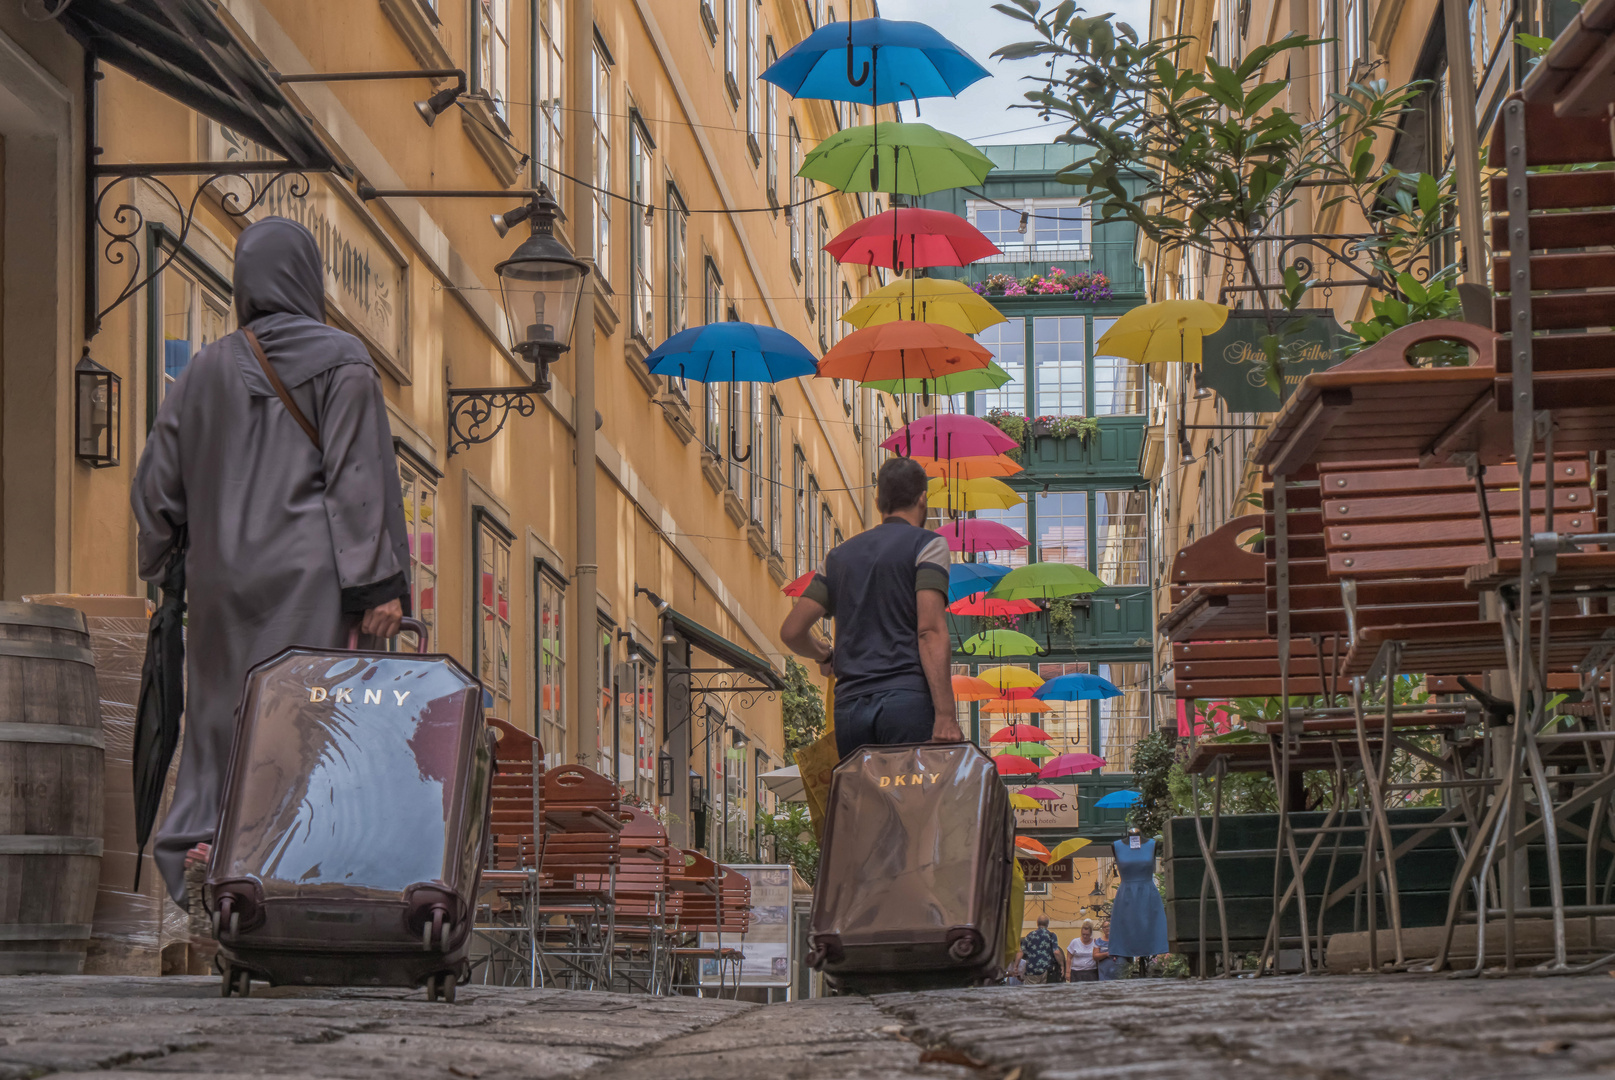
{"type": "Point", "coordinates": [161, 700]}
{"type": "Point", "coordinates": [1120, 800]}
{"type": "Point", "coordinates": [731, 352]}
{"type": "Point", "coordinates": [1169, 330]}
{"type": "Point", "coordinates": [1068, 847]}
{"type": "Point", "coordinates": [1005, 677]}
{"type": "Point", "coordinates": [874, 62]}
{"type": "Point", "coordinates": [970, 688]}
{"type": "Point", "coordinates": [1020, 693]}
{"type": "Point", "coordinates": [1069, 765]}
{"type": "Point", "coordinates": [983, 605]}
{"type": "Point", "coordinates": [903, 350]}
{"type": "Point", "coordinates": [910, 238]}
{"type": "Point", "coordinates": [980, 534]}
{"type": "Point", "coordinates": [1017, 801]}
{"type": "Point", "coordinates": [969, 468]}
{"type": "Point", "coordinates": [1011, 705]}
{"type": "Point", "coordinates": [1041, 793]}
{"type": "Point", "coordinates": [799, 586]}
{"type": "Point", "coordinates": [1043, 580]}
{"type": "Point", "coordinates": [1020, 733]}
{"type": "Point", "coordinates": [1000, 643]}
{"type": "Point", "coordinates": [990, 377]}
{"type": "Point", "coordinates": [1032, 847]}
{"type": "Point", "coordinates": [984, 494]}
{"type": "Point", "coordinates": [932, 300]}
{"type": "Point", "coordinates": [968, 579]}
{"type": "Point", "coordinates": [1028, 750]}
{"type": "Point", "coordinates": [1010, 765]}
{"type": "Point", "coordinates": [947, 435]}
{"type": "Point", "coordinates": [904, 159]}
{"type": "Point", "coordinates": [1078, 687]}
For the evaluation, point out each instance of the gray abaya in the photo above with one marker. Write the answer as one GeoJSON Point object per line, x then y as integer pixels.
{"type": "Point", "coordinates": [287, 545]}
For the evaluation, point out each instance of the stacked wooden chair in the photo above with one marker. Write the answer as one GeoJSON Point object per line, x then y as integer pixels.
{"type": "Point", "coordinates": [707, 901]}
{"type": "Point", "coordinates": [641, 959]}
{"type": "Point", "coordinates": [507, 911]}
{"type": "Point", "coordinates": [580, 856]}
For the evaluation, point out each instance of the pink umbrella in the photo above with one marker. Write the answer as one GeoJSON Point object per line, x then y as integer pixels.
{"type": "Point", "coordinates": [980, 534]}
{"type": "Point", "coordinates": [1040, 792]}
{"type": "Point", "coordinates": [1069, 765]}
{"type": "Point", "coordinates": [949, 435]}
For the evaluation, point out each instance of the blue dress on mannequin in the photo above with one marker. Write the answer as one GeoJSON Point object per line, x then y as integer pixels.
{"type": "Point", "coordinates": [1137, 917]}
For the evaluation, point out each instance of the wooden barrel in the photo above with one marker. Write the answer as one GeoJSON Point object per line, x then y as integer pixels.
{"type": "Point", "coordinates": [50, 789]}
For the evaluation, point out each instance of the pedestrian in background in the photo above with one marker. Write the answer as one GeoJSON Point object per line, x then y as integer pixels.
{"type": "Point", "coordinates": [1109, 967]}
{"type": "Point", "coordinates": [1085, 953]}
{"type": "Point", "coordinates": [1041, 950]}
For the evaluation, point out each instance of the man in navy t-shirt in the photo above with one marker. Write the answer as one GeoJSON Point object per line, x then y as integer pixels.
{"type": "Point", "coordinates": [888, 591]}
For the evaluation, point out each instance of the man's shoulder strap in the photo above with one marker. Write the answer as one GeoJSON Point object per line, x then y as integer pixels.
{"type": "Point", "coordinates": [280, 389]}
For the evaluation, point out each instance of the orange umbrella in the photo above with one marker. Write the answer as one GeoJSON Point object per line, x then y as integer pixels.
{"type": "Point", "coordinates": [1026, 705]}
{"type": "Point", "coordinates": [970, 688]}
{"type": "Point", "coordinates": [903, 350]}
{"type": "Point", "coordinates": [970, 468]}
{"type": "Point", "coordinates": [1021, 733]}
{"type": "Point", "coordinates": [1032, 847]}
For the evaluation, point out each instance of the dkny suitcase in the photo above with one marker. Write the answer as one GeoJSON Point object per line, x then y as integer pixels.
{"type": "Point", "coordinates": [914, 874]}
{"type": "Point", "coordinates": [353, 822]}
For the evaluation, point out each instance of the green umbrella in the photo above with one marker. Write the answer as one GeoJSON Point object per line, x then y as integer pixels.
{"type": "Point", "coordinates": [1043, 581]}
{"type": "Point", "coordinates": [990, 377]}
{"type": "Point", "coordinates": [1027, 749]}
{"type": "Point", "coordinates": [905, 159]}
{"type": "Point", "coordinates": [1001, 643]}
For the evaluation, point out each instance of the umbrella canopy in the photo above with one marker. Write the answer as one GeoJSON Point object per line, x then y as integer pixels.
{"type": "Point", "coordinates": [786, 783]}
{"type": "Point", "coordinates": [984, 494]}
{"type": "Point", "coordinates": [731, 352]}
{"type": "Point", "coordinates": [1041, 793]}
{"type": "Point", "coordinates": [970, 688]}
{"type": "Point", "coordinates": [990, 377]}
{"type": "Point", "coordinates": [1028, 750]}
{"type": "Point", "coordinates": [903, 350]}
{"type": "Point", "coordinates": [1068, 847]}
{"type": "Point", "coordinates": [982, 604]}
{"type": "Point", "coordinates": [1043, 580]}
{"type": "Point", "coordinates": [1069, 765]}
{"type": "Point", "coordinates": [1010, 765]}
{"type": "Point", "coordinates": [1005, 677]}
{"type": "Point", "coordinates": [932, 300]}
{"type": "Point", "coordinates": [979, 534]}
{"type": "Point", "coordinates": [968, 579]}
{"type": "Point", "coordinates": [1169, 330]}
{"type": "Point", "coordinates": [905, 159]}
{"type": "Point", "coordinates": [1027, 844]}
{"type": "Point", "coordinates": [1017, 801]}
{"type": "Point", "coordinates": [874, 62]}
{"type": "Point", "coordinates": [1018, 693]}
{"type": "Point", "coordinates": [799, 586]}
{"type": "Point", "coordinates": [1020, 733]}
{"type": "Point", "coordinates": [969, 468]}
{"type": "Point", "coordinates": [161, 700]}
{"type": "Point", "coordinates": [1000, 643]}
{"type": "Point", "coordinates": [1119, 800]}
{"type": "Point", "coordinates": [1011, 703]}
{"type": "Point", "coordinates": [911, 238]}
{"type": "Point", "coordinates": [1078, 688]}
{"type": "Point", "coordinates": [946, 435]}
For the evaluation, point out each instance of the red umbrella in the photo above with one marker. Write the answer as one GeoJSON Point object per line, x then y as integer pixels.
{"type": "Point", "coordinates": [980, 534]}
{"type": "Point", "coordinates": [903, 350]}
{"type": "Point", "coordinates": [1069, 765]}
{"type": "Point", "coordinates": [982, 604]}
{"type": "Point", "coordinates": [948, 435]}
{"type": "Point", "coordinates": [906, 237]}
{"type": "Point", "coordinates": [1014, 765]}
{"type": "Point", "coordinates": [799, 586]}
{"type": "Point", "coordinates": [1020, 733]}
{"type": "Point", "coordinates": [1040, 793]}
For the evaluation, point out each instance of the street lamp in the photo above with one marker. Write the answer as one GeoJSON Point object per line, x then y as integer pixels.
{"type": "Point", "coordinates": [541, 282]}
{"type": "Point", "coordinates": [96, 413]}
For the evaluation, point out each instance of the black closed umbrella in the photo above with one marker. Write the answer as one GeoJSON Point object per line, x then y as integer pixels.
{"type": "Point", "coordinates": [162, 699]}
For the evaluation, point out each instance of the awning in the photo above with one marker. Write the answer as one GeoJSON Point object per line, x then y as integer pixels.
{"type": "Point", "coordinates": [721, 648]}
{"type": "Point", "coordinates": [184, 49]}
{"type": "Point", "coordinates": [785, 783]}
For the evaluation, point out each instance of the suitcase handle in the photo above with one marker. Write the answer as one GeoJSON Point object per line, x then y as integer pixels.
{"type": "Point", "coordinates": [406, 624]}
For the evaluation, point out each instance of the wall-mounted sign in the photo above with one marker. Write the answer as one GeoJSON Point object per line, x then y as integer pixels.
{"type": "Point", "coordinates": [1235, 367]}
{"type": "Point", "coordinates": [365, 274]}
{"type": "Point", "coordinates": [1057, 873]}
{"type": "Point", "coordinates": [1058, 813]}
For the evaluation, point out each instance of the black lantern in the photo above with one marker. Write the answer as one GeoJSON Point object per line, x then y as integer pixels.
{"type": "Point", "coordinates": [664, 776]}
{"type": "Point", "coordinates": [96, 398]}
{"type": "Point", "coordinates": [541, 283]}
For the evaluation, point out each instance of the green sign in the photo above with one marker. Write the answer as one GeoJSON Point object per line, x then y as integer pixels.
{"type": "Point", "coordinates": [1233, 364]}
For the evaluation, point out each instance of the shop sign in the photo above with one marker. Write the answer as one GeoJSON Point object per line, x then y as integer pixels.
{"type": "Point", "coordinates": [765, 948]}
{"type": "Point", "coordinates": [1056, 873]}
{"type": "Point", "coordinates": [1233, 364]}
{"type": "Point", "coordinates": [1058, 813]}
{"type": "Point", "coordinates": [365, 274]}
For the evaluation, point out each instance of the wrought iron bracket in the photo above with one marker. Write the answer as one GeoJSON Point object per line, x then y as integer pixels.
{"type": "Point", "coordinates": [479, 413]}
{"type": "Point", "coordinates": [1311, 248]}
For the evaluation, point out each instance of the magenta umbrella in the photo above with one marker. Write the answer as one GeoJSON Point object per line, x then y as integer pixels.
{"type": "Point", "coordinates": [1039, 792]}
{"type": "Point", "coordinates": [949, 435]}
{"type": "Point", "coordinates": [1069, 765]}
{"type": "Point", "coordinates": [979, 534]}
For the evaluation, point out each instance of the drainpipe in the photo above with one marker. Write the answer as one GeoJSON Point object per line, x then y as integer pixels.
{"type": "Point", "coordinates": [587, 597]}
{"type": "Point", "coordinates": [1466, 146]}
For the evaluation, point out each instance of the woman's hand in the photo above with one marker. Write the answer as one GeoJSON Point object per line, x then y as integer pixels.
{"type": "Point", "coordinates": [383, 621]}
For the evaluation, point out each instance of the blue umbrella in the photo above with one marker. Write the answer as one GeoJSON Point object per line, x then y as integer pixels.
{"type": "Point", "coordinates": [968, 579]}
{"type": "Point", "coordinates": [732, 352]}
{"type": "Point", "coordinates": [874, 62]}
{"type": "Point", "coordinates": [1120, 800]}
{"type": "Point", "coordinates": [1077, 688]}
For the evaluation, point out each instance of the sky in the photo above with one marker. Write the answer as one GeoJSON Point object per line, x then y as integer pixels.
{"type": "Point", "coordinates": [984, 113]}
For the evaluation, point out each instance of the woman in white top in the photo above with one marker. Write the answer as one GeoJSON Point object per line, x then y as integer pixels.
{"type": "Point", "coordinates": [1085, 955]}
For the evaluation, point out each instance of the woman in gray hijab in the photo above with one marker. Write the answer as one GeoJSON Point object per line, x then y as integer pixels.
{"type": "Point", "coordinates": [288, 543]}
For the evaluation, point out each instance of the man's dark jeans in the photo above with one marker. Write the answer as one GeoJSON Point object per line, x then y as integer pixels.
{"type": "Point", "coordinates": [892, 716]}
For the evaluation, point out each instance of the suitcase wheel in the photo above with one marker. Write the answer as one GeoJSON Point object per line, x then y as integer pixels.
{"type": "Point", "coordinates": [441, 987]}
{"type": "Point", "coordinates": [436, 928]}
{"type": "Point", "coordinates": [236, 981]}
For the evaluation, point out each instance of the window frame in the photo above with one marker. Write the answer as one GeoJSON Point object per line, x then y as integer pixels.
{"type": "Point", "coordinates": [1028, 246]}
{"type": "Point", "coordinates": [162, 243]}
{"type": "Point", "coordinates": [549, 82]}
{"type": "Point", "coordinates": [547, 582]}
{"type": "Point", "coordinates": [776, 468]}
{"type": "Point", "coordinates": [796, 207]}
{"type": "Point", "coordinates": [418, 479]}
{"type": "Point", "coordinates": [600, 130]}
{"type": "Point", "coordinates": [712, 413]}
{"type": "Point", "coordinates": [494, 86]}
{"type": "Point", "coordinates": [770, 126]}
{"type": "Point", "coordinates": [800, 546]}
{"type": "Point", "coordinates": [484, 527]}
{"type": "Point", "coordinates": [641, 229]}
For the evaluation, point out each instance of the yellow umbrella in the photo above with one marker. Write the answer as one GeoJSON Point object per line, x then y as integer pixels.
{"type": "Point", "coordinates": [1166, 331]}
{"type": "Point", "coordinates": [1024, 802]}
{"type": "Point", "coordinates": [1066, 847]}
{"type": "Point", "coordinates": [983, 494]}
{"type": "Point", "coordinates": [932, 300]}
{"type": "Point", "coordinates": [1006, 677]}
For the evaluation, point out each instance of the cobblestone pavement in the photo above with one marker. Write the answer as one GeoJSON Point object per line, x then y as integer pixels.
{"type": "Point", "coordinates": [1325, 1028]}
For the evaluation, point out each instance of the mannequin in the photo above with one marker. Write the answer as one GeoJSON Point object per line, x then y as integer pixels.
{"type": "Point", "coordinates": [1138, 916]}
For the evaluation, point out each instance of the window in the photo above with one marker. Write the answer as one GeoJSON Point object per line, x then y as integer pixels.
{"type": "Point", "coordinates": [1007, 340]}
{"type": "Point", "coordinates": [608, 763]}
{"type": "Point", "coordinates": [754, 442]}
{"type": "Point", "coordinates": [490, 628]}
{"type": "Point", "coordinates": [1055, 228]}
{"type": "Point", "coordinates": [194, 314]}
{"type": "Point", "coordinates": [770, 135]}
{"type": "Point", "coordinates": [776, 468]}
{"type": "Point", "coordinates": [1015, 518]}
{"type": "Point", "coordinates": [827, 529]}
{"type": "Point", "coordinates": [602, 161]}
{"type": "Point", "coordinates": [841, 311]}
{"type": "Point", "coordinates": [1118, 385]}
{"type": "Point", "coordinates": [1118, 525]}
{"type": "Point", "coordinates": [641, 233]}
{"type": "Point", "coordinates": [1068, 723]}
{"type": "Point", "coordinates": [815, 525]}
{"type": "Point", "coordinates": [1062, 527]}
{"type": "Point", "coordinates": [810, 274]}
{"type": "Point", "coordinates": [1059, 354]}
{"type": "Point", "coordinates": [823, 260]}
{"type": "Point", "coordinates": [550, 78]}
{"type": "Point", "coordinates": [550, 659]}
{"type": "Point", "coordinates": [712, 307]}
{"type": "Point", "coordinates": [678, 271]}
{"type": "Point", "coordinates": [737, 417]}
{"type": "Point", "coordinates": [751, 76]}
{"type": "Point", "coordinates": [799, 536]}
{"type": "Point", "coordinates": [492, 75]}
{"type": "Point", "coordinates": [731, 47]}
{"type": "Point", "coordinates": [1123, 720]}
{"type": "Point", "coordinates": [420, 522]}
{"type": "Point", "coordinates": [795, 210]}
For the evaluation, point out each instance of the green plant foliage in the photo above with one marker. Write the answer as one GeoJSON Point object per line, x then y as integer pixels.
{"type": "Point", "coordinates": [1062, 617]}
{"type": "Point", "coordinates": [802, 706]}
{"type": "Point", "coordinates": [792, 831]}
{"type": "Point", "coordinates": [1153, 759]}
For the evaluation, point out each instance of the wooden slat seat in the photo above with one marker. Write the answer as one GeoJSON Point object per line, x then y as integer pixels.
{"type": "Point", "coordinates": [1258, 756]}
{"type": "Point", "coordinates": [1575, 570]}
{"type": "Point", "coordinates": [1460, 648]}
